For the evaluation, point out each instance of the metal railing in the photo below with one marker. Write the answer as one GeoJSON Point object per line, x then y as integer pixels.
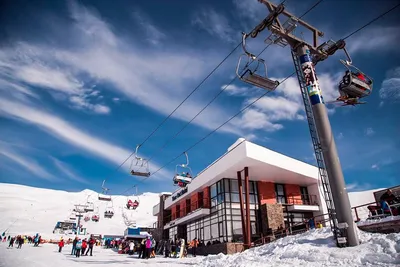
{"type": "Point", "coordinates": [186, 210]}
{"type": "Point", "coordinates": [302, 199]}
{"type": "Point", "coordinates": [277, 234]}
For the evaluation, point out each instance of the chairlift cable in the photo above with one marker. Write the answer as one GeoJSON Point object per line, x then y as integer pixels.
{"type": "Point", "coordinates": [201, 111]}
{"type": "Point", "coordinates": [257, 99]}
{"type": "Point", "coordinates": [372, 21]}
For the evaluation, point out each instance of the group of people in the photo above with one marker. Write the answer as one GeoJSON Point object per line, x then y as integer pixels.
{"type": "Point", "coordinates": [79, 246]}
{"type": "Point", "coordinates": [179, 248]}
{"type": "Point", "coordinates": [132, 204]}
{"type": "Point", "coordinates": [179, 182]}
{"type": "Point", "coordinates": [19, 240]}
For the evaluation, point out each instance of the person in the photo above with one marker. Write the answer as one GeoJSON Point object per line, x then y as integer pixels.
{"type": "Point", "coordinates": [167, 248]}
{"type": "Point", "coordinates": [319, 225]}
{"type": "Point", "coordinates": [194, 244]}
{"type": "Point", "coordinates": [60, 245]}
{"type": "Point", "coordinates": [148, 247]}
{"type": "Point", "coordinates": [389, 197]}
{"type": "Point", "coordinates": [311, 223]}
{"type": "Point", "coordinates": [153, 246]}
{"type": "Point", "coordinates": [84, 246]}
{"type": "Point", "coordinates": [135, 204]}
{"type": "Point", "coordinates": [131, 247]}
{"type": "Point", "coordinates": [78, 248]}
{"type": "Point", "coordinates": [130, 204]}
{"type": "Point", "coordinates": [73, 251]}
{"type": "Point", "coordinates": [142, 251]}
{"type": "Point", "coordinates": [91, 244]}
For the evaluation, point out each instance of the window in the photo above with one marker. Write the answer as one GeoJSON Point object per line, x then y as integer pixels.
{"type": "Point", "coordinates": [221, 229]}
{"type": "Point", "coordinates": [304, 195]}
{"type": "Point", "coordinates": [213, 190]}
{"type": "Point", "coordinates": [280, 193]}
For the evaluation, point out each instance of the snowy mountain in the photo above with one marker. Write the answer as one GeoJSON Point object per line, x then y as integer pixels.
{"type": "Point", "coordinates": [30, 210]}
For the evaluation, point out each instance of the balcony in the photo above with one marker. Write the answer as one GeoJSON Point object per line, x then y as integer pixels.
{"type": "Point", "coordinates": [156, 209]}
{"type": "Point", "coordinates": [187, 213]}
{"type": "Point", "coordinates": [302, 203]}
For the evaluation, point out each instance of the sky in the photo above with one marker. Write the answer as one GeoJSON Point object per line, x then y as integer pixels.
{"type": "Point", "coordinates": [82, 83]}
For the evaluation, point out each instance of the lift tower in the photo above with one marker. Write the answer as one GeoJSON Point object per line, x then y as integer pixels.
{"type": "Point", "coordinates": [305, 57]}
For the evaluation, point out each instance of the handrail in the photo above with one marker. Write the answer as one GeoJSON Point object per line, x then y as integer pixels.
{"type": "Point", "coordinates": [287, 231]}
{"type": "Point", "coordinates": [303, 199]}
{"type": "Point", "coordinates": [200, 203]}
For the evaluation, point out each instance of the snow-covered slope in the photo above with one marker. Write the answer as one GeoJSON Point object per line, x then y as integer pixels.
{"type": "Point", "coordinates": [29, 210]}
{"type": "Point", "coordinates": [315, 248]}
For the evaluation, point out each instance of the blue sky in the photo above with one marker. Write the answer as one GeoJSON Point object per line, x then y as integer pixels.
{"type": "Point", "coordinates": [83, 82]}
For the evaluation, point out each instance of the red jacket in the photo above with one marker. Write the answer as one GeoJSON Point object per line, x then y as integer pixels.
{"type": "Point", "coordinates": [84, 244]}
{"type": "Point", "coordinates": [61, 243]}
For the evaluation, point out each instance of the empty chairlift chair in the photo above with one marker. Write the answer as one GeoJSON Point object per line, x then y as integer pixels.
{"type": "Point", "coordinates": [139, 166]}
{"type": "Point", "coordinates": [256, 76]}
{"type": "Point", "coordinates": [103, 196]}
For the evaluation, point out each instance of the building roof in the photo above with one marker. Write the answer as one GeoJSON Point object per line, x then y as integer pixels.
{"type": "Point", "coordinates": [263, 163]}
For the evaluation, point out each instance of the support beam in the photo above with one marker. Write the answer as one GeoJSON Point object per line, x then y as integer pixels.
{"type": "Point", "coordinates": [239, 176]}
{"type": "Point", "coordinates": [247, 189]}
{"type": "Point", "coordinates": [328, 146]}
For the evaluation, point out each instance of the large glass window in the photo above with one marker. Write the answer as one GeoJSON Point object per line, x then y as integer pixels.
{"type": "Point", "coordinates": [305, 198]}
{"type": "Point", "coordinates": [280, 193]}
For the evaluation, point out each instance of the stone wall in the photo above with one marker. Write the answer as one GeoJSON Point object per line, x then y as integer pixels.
{"type": "Point", "coordinates": [226, 248]}
{"type": "Point", "coordinates": [271, 217]}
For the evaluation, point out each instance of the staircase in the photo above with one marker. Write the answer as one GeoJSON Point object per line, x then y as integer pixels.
{"type": "Point", "coordinates": [316, 144]}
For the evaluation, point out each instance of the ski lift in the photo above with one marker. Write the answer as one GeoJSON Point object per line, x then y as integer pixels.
{"type": "Point", "coordinates": [72, 217]}
{"type": "Point", "coordinates": [184, 178]}
{"type": "Point", "coordinates": [133, 204]}
{"type": "Point", "coordinates": [86, 219]}
{"type": "Point", "coordinates": [95, 218]}
{"type": "Point", "coordinates": [141, 166]}
{"type": "Point", "coordinates": [109, 212]}
{"type": "Point", "coordinates": [354, 85]}
{"type": "Point", "coordinates": [89, 205]}
{"type": "Point", "coordinates": [103, 196]}
{"type": "Point", "coordinates": [252, 77]}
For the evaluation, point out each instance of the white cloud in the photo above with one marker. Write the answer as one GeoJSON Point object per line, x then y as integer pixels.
{"type": "Point", "coordinates": [66, 170]}
{"type": "Point", "coordinates": [358, 187]}
{"type": "Point", "coordinates": [154, 35]}
{"type": "Point", "coordinates": [116, 99]}
{"type": "Point", "coordinates": [390, 88]}
{"type": "Point", "coordinates": [28, 164]}
{"type": "Point", "coordinates": [215, 24]}
{"type": "Point", "coordinates": [234, 90]}
{"type": "Point", "coordinates": [68, 133]}
{"type": "Point", "coordinates": [81, 102]}
{"type": "Point", "coordinates": [387, 41]}
{"type": "Point", "coordinates": [255, 120]}
{"type": "Point", "coordinates": [369, 131]}
{"type": "Point", "coordinates": [340, 136]}
{"type": "Point", "coordinates": [375, 166]}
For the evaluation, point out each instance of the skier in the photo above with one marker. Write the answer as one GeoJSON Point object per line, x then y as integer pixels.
{"type": "Point", "coordinates": [194, 244]}
{"type": "Point", "coordinates": [91, 244]}
{"type": "Point", "coordinates": [84, 246]}
{"type": "Point", "coordinates": [78, 248]}
{"type": "Point", "coordinates": [11, 244]}
{"type": "Point", "coordinates": [73, 251]}
{"type": "Point", "coordinates": [131, 247]}
{"type": "Point", "coordinates": [148, 247]}
{"type": "Point", "coordinates": [60, 245]}
{"type": "Point", "coordinates": [20, 241]}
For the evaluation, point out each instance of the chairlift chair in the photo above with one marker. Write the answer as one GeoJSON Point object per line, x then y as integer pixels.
{"type": "Point", "coordinates": [109, 212]}
{"type": "Point", "coordinates": [355, 84]}
{"type": "Point", "coordinates": [184, 178]}
{"type": "Point", "coordinates": [72, 217]}
{"type": "Point", "coordinates": [95, 218]}
{"type": "Point", "coordinates": [103, 196]}
{"type": "Point", "coordinates": [133, 204]}
{"type": "Point", "coordinates": [256, 77]}
{"type": "Point", "coordinates": [89, 205]}
{"type": "Point", "coordinates": [86, 219]}
{"type": "Point", "coordinates": [141, 166]}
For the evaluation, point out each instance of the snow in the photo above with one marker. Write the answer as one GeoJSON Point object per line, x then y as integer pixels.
{"type": "Point", "coordinates": [48, 255]}
{"type": "Point", "coordinates": [315, 248]}
{"type": "Point", "coordinates": [30, 210]}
